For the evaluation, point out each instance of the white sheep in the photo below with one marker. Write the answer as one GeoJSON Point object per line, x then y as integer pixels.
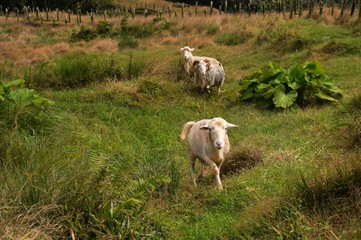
{"type": "Point", "coordinates": [208, 74]}
{"type": "Point", "coordinates": [189, 59]}
{"type": "Point", "coordinates": [207, 141]}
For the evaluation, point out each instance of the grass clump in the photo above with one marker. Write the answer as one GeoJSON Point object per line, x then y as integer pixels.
{"type": "Point", "coordinates": [212, 29]}
{"type": "Point", "coordinates": [79, 70]}
{"type": "Point", "coordinates": [127, 42]}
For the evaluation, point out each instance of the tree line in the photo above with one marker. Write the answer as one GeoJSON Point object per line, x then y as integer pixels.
{"type": "Point", "coordinates": [86, 5]}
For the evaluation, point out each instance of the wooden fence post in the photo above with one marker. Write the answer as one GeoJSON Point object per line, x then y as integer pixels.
{"type": "Point", "coordinates": [145, 13]}
{"type": "Point", "coordinates": [211, 8]}
{"type": "Point", "coordinates": [299, 8]}
{"type": "Point", "coordinates": [133, 12]}
{"type": "Point", "coordinates": [196, 10]}
{"type": "Point", "coordinates": [220, 9]}
{"type": "Point", "coordinates": [332, 7]}
{"type": "Point", "coordinates": [17, 14]}
{"type": "Point", "coordinates": [353, 6]}
{"type": "Point", "coordinates": [359, 10]}
{"type": "Point", "coordinates": [182, 10]}
{"type": "Point", "coordinates": [68, 15]}
{"type": "Point", "coordinates": [91, 17]}
{"type": "Point", "coordinates": [79, 14]}
{"type": "Point", "coordinates": [1, 10]}
{"type": "Point", "coordinates": [225, 6]}
{"type": "Point", "coordinates": [47, 14]}
{"type": "Point", "coordinates": [310, 7]}
{"type": "Point", "coordinates": [291, 8]}
{"type": "Point", "coordinates": [343, 7]}
{"type": "Point", "coordinates": [321, 7]}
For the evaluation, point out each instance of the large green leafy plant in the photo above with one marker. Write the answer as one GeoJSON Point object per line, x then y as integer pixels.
{"type": "Point", "coordinates": [20, 106]}
{"type": "Point", "coordinates": [298, 85]}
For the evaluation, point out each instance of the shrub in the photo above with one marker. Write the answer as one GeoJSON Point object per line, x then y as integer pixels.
{"type": "Point", "coordinates": [83, 34]}
{"type": "Point", "coordinates": [21, 107]}
{"type": "Point", "coordinates": [104, 28]}
{"type": "Point", "coordinates": [299, 85]}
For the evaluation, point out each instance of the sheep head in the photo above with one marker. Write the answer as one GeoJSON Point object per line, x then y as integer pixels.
{"type": "Point", "coordinates": [187, 52]}
{"type": "Point", "coordinates": [217, 128]}
{"type": "Point", "coordinates": [202, 67]}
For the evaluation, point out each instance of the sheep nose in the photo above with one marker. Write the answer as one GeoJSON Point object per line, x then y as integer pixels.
{"type": "Point", "coordinates": [219, 144]}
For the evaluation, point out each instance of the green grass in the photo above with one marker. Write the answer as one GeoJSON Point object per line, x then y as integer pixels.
{"type": "Point", "coordinates": [109, 164]}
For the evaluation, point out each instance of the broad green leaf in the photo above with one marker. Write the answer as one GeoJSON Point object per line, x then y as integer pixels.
{"type": "Point", "coordinates": [262, 87]}
{"type": "Point", "coordinates": [40, 101]}
{"type": "Point", "coordinates": [324, 96]}
{"type": "Point", "coordinates": [296, 72]}
{"type": "Point", "coordinates": [246, 83]}
{"type": "Point", "coordinates": [268, 95]}
{"type": "Point", "coordinates": [14, 83]}
{"type": "Point", "coordinates": [247, 94]}
{"type": "Point", "coordinates": [335, 89]}
{"type": "Point", "coordinates": [281, 99]}
{"type": "Point", "coordinates": [22, 97]}
{"type": "Point", "coordinates": [314, 67]}
{"type": "Point", "coordinates": [326, 80]}
{"type": "Point", "coordinates": [295, 85]}
{"type": "Point", "coordinates": [276, 67]}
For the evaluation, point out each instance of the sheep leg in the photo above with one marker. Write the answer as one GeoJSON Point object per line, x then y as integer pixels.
{"type": "Point", "coordinates": [192, 162]}
{"type": "Point", "coordinates": [201, 173]}
{"type": "Point", "coordinates": [215, 170]}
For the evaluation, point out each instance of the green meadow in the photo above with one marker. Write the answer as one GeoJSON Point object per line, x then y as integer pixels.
{"type": "Point", "coordinates": [90, 141]}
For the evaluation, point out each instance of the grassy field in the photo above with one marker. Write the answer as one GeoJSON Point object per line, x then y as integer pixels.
{"type": "Point", "coordinates": [106, 160]}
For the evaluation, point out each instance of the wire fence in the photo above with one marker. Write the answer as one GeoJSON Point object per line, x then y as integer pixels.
{"type": "Point", "coordinates": [181, 10]}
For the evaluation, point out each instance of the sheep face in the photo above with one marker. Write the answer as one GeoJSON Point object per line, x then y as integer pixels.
{"type": "Point", "coordinates": [202, 67]}
{"type": "Point", "coordinates": [218, 131]}
{"type": "Point", "coordinates": [187, 52]}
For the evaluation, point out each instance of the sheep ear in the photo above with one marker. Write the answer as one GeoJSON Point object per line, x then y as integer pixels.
{"type": "Point", "coordinates": [230, 125]}
{"type": "Point", "coordinates": [208, 66]}
{"type": "Point", "coordinates": [195, 63]}
{"type": "Point", "coordinates": [191, 49]}
{"type": "Point", "coordinates": [204, 127]}
{"type": "Point", "coordinates": [182, 49]}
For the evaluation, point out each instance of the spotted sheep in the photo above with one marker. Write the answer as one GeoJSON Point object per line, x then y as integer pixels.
{"type": "Point", "coordinates": [189, 59]}
{"type": "Point", "coordinates": [209, 74]}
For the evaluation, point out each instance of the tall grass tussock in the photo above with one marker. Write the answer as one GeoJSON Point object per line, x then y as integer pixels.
{"type": "Point", "coordinates": [91, 116]}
